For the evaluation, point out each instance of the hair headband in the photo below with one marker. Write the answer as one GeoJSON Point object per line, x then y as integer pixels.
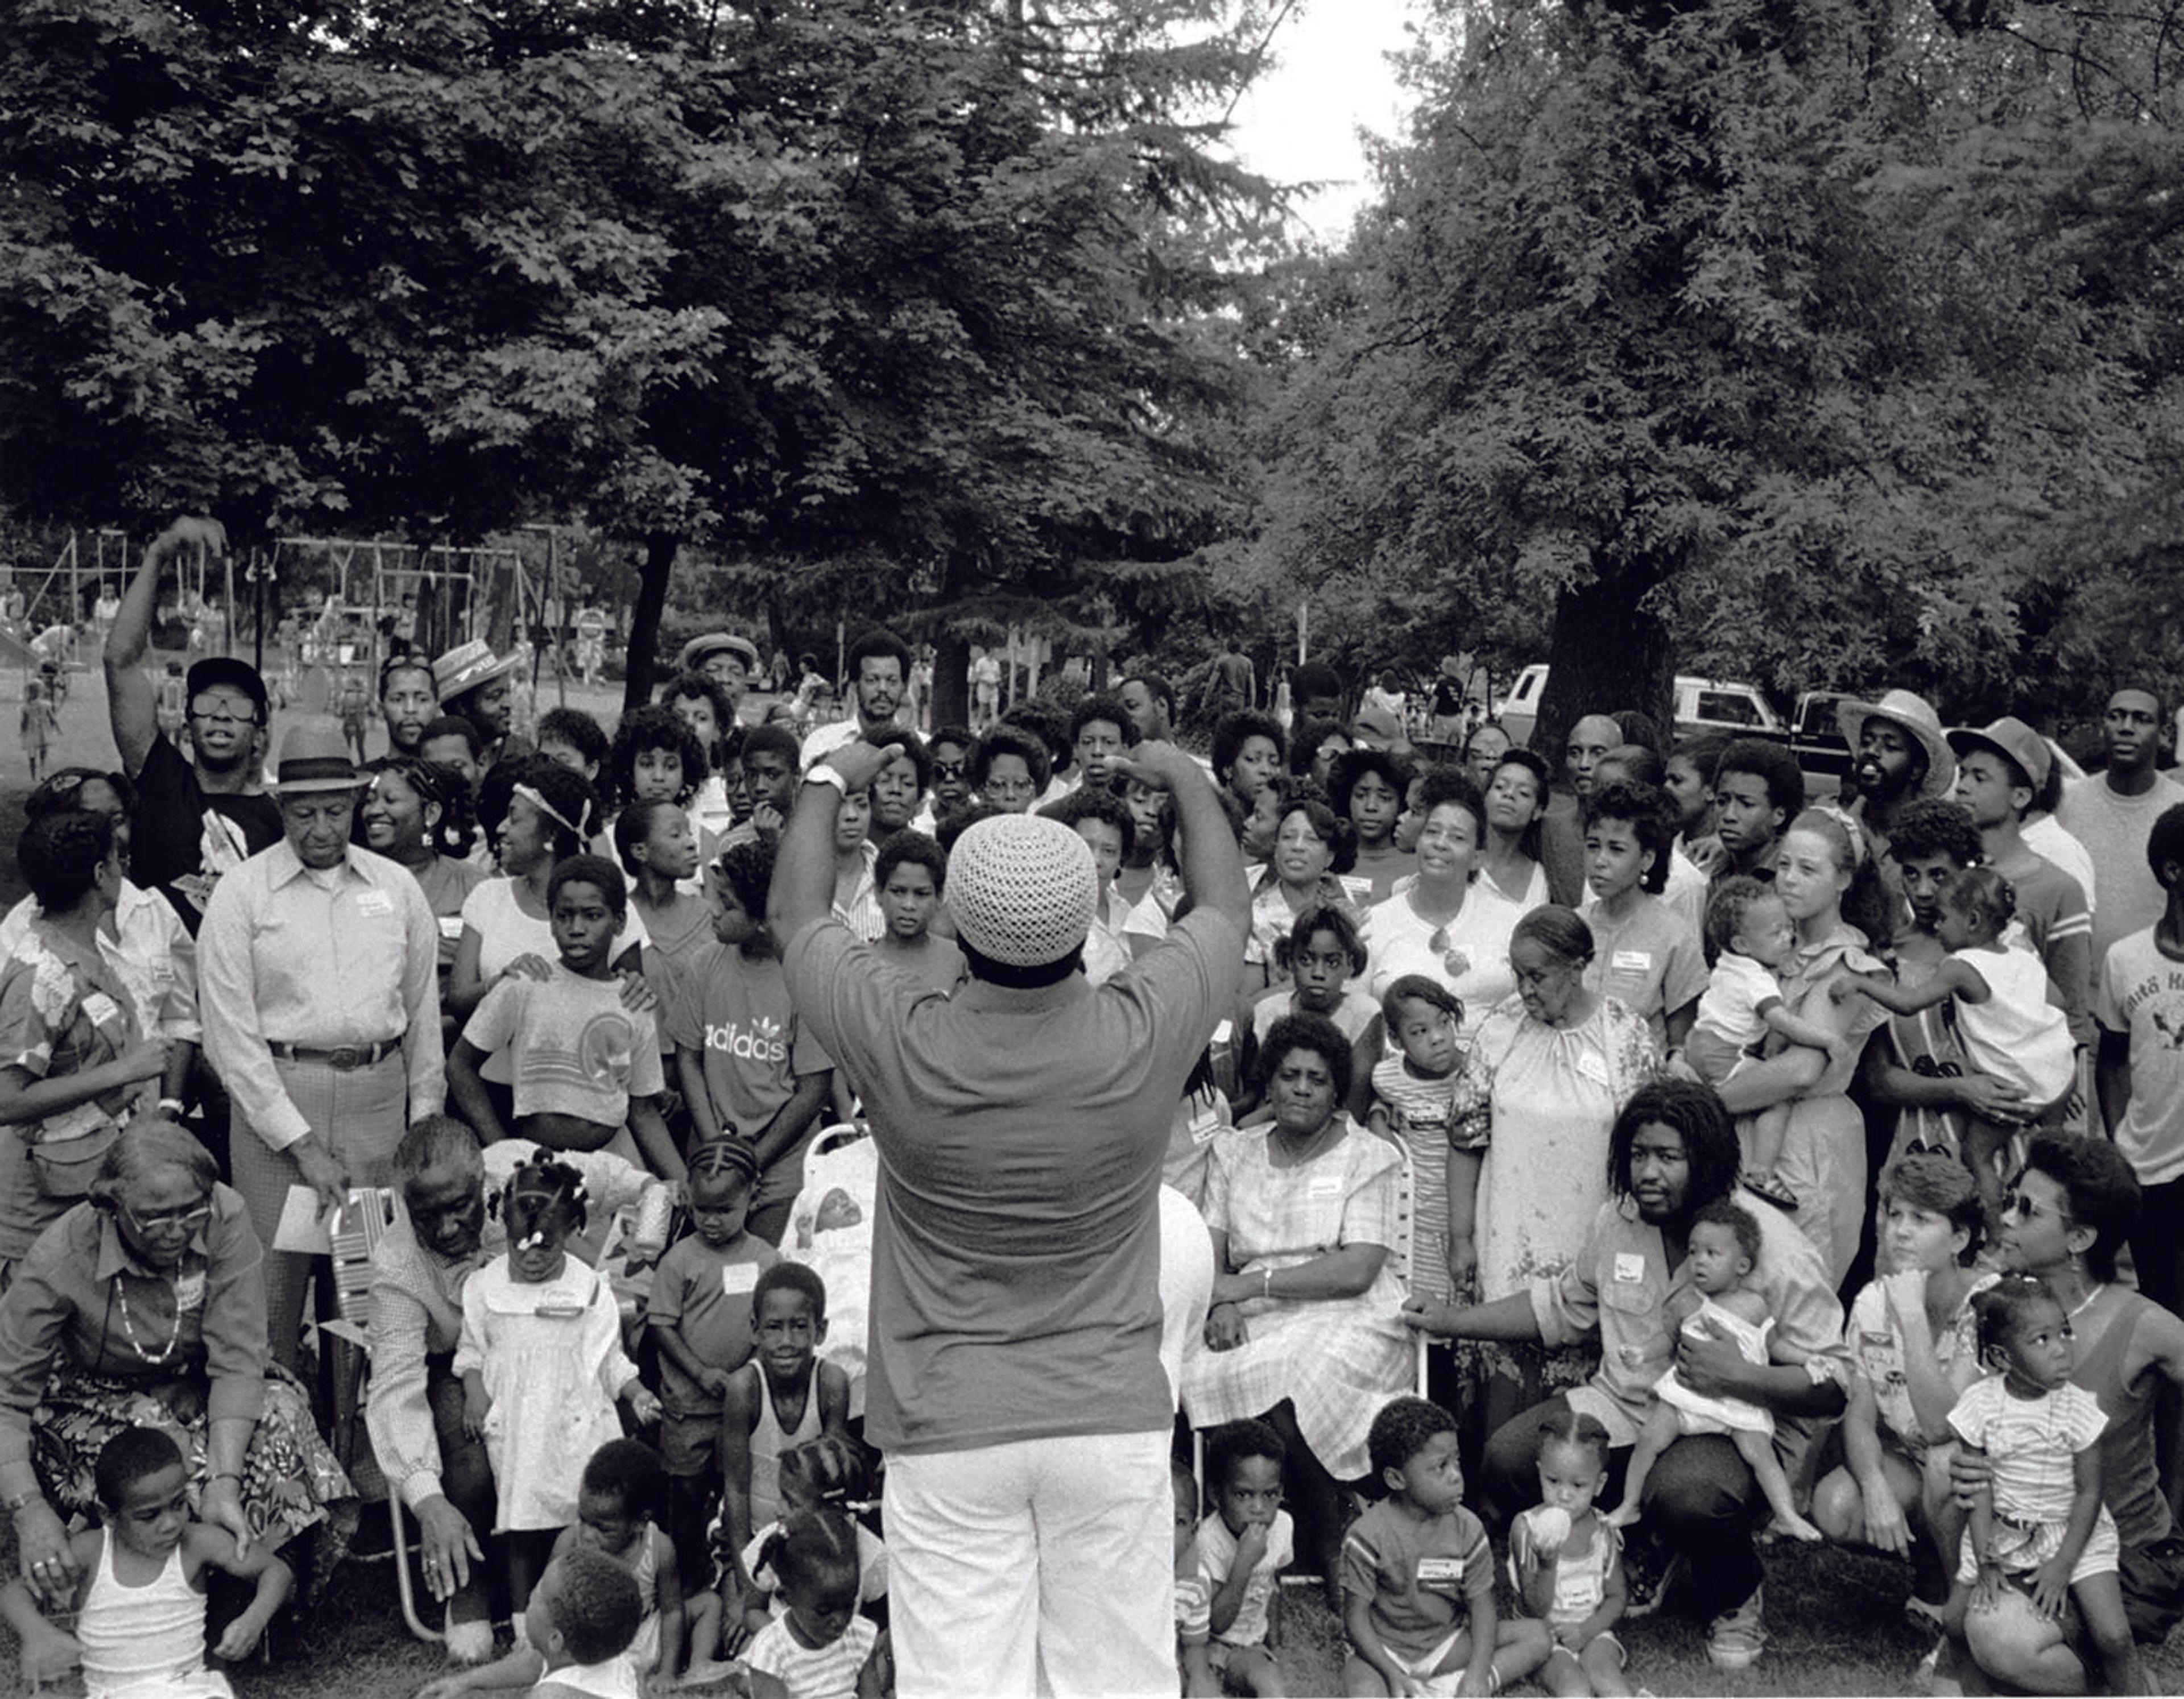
{"type": "Point", "coordinates": [1851, 830]}
{"type": "Point", "coordinates": [532, 794]}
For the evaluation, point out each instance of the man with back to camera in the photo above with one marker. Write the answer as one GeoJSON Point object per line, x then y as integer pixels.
{"type": "Point", "coordinates": [1016, 1385]}
{"type": "Point", "coordinates": [198, 818]}
{"type": "Point", "coordinates": [879, 671]}
{"type": "Point", "coordinates": [2112, 813]}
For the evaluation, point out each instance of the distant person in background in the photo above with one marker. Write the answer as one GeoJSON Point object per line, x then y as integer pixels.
{"type": "Point", "coordinates": [2112, 813]}
{"type": "Point", "coordinates": [985, 673]}
{"type": "Point", "coordinates": [198, 818]}
{"type": "Point", "coordinates": [1235, 681]}
{"type": "Point", "coordinates": [1151, 700]}
{"type": "Point", "coordinates": [1562, 827]}
{"type": "Point", "coordinates": [409, 701]}
{"type": "Point", "coordinates": [39, 726]}
{"type": "Point", "coordinates": [879, 672]}
{"type": "Point", "coordinates": [1445, 709]}
{"type": "Point", "coordinates": [474, 684]}
{"type": "Point", "coordinates": [729, 660]}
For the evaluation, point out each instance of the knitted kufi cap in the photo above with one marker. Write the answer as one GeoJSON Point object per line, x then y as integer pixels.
{"type": "Point", "coordinates": [1022, 890]}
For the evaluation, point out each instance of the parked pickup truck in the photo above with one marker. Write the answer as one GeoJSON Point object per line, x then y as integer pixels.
{"type": "Point", "coordinates": [1815, 738]}
{"type": "Point", "coordinates": [1723, 706]}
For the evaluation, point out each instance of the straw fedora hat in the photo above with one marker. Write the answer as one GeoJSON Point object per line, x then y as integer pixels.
{"type": "Point", "coordinates": [1912, 712]}
{"type": "Point", "coordinates": [467, 666]}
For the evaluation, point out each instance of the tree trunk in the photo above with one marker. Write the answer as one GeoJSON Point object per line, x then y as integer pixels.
{"type": "Point", "coordinates": [659, 551]}
{"type": "Point", "coordinates": [1608, 653]}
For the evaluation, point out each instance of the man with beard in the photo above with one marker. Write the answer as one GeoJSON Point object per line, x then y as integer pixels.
{"type": "Point", "coordinates": [198, 818]}
{"type": "Point", "coordinates": [879, 668]}
{"type": "Point", "coordinates": [414, 1409]}
{"type": "Point", "coordinates": [1672, 1152]}
{"type": "Point", "coordinates": [1898, 755]}
{"type": "Point", "coordinates": [2112, 814]}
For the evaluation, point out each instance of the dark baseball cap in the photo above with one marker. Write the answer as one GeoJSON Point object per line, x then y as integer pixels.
{"type": "Point", "coordinates": [217, 670]}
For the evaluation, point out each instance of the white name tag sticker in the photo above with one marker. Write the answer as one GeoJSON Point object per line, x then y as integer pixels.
{"type": "Point", "coordinates": [375, 903]}
{"type": "Point", "coordinates": [738, 1277]}
{"type": "Point", "coordinates": [1629, 1266]}
{"type": "Point", "coordinates": [1440, 1570]}
{"type": "Point", "coordinates": [1594, 1068]}
{"type": "Point", "coordinates": [451, 928]}
{"type": "Point", "coordinates": [1321, 1187]}
{"type": "Point", "coordinates": [1632, 961]}
{"type": "Point", "coordinates": [189, 1291]}
{"type": "Point", "coordinates": [1203, 1126]}
{"type": "Point", "coordinates": [100, 1009]}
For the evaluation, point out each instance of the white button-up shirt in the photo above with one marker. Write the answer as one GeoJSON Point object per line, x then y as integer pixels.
{"type": "Point", "coordinates": [290, 955]}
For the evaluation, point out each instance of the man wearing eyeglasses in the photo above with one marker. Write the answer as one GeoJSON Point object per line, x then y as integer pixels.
{"type": "Point", "coordinates": [198, 817]}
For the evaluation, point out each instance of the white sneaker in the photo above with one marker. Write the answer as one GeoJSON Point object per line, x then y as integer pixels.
{"type": "Point", "coordinates": [469, 1643]}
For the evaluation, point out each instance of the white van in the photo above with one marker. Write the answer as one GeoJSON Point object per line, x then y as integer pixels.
{"type": "Point", "coordinates": [1702, 704]}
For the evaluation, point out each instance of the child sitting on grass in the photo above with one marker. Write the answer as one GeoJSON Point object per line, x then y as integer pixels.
{"type": "Point", "coordinates": [1243, 1548]}
{"type": "Point", "coordinates": [583, 1063]}
{"type": "Point", "coordinates": [1565, 1559]}
{"type": "Point", "coordinates": [1418, 1575]}
{"type": "Point", "coordinates": [140, 1607]}
{"type": "Point", "coordinates": [1914, 1348]}
{"type": "Point", "coordinates": [620, 1495]}
{"type": "Point", "coordinates": [828, 1471]}
{"type": "Point", "coordinates": [1194, 1600]}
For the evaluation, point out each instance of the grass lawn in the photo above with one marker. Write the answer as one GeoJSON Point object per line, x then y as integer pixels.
{"type": "Point", "coordinates": [1834, 1617]}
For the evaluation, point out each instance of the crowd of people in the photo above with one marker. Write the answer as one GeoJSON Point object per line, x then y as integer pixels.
{"type": "Point", "coordinates": [1319, 1159]}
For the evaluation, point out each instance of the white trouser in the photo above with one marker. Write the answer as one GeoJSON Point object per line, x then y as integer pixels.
{"type": "Point", "coordinates": [1042, 1567]}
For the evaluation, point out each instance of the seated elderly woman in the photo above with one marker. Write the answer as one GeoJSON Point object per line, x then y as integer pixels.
{"type": "Point", "coordinates": [1304, 1330]}
{"type": "Point", "coordinates": [145, 1305]}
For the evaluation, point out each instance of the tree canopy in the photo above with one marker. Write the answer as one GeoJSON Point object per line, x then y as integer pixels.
{"type": "Point", "coordinates": [1807, 344]}
{"type": "Point", "coordinates": [912, 300]}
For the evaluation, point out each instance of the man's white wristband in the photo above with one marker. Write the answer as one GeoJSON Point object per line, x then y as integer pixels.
{"type": "Point", "coordinates": [831, 776]}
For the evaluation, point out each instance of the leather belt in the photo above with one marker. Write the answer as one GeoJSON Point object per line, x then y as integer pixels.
{"type": "Point", "coordinates": [342, 1058]}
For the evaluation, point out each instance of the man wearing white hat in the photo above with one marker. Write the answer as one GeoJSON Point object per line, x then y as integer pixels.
{"type": "Point", "coordinates": [1015, 1378]}
{"type": "Point", "coordinates": [318, 982]}
{"type": "Point", "coordinates": [475, 684]}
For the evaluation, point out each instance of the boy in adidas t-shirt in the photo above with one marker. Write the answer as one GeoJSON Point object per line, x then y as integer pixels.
{"type": "Point", "coordinates": [745, 1064]}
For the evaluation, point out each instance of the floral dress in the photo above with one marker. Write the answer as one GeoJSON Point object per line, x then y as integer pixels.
{"type": "Point", "coordinates": [1539, 1102]}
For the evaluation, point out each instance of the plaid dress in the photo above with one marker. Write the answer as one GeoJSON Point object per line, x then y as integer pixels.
{"type": "Point", "coordinates": [1338, 1360]}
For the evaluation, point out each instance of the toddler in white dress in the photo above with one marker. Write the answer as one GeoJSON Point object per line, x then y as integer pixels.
{"type": "Point", "coordinates": [1722, 1250]}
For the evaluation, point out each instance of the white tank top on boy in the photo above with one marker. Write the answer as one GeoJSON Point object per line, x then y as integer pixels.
{"type": "Point", "coordinates": [145, 1643]}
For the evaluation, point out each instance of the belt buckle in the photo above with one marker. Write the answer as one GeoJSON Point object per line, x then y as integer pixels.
{"type": "Point", "coordinates": [346, 1058]}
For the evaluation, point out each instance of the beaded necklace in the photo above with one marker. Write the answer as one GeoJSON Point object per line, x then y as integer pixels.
{"type": "Point", "coordinates": [128, 1327]}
